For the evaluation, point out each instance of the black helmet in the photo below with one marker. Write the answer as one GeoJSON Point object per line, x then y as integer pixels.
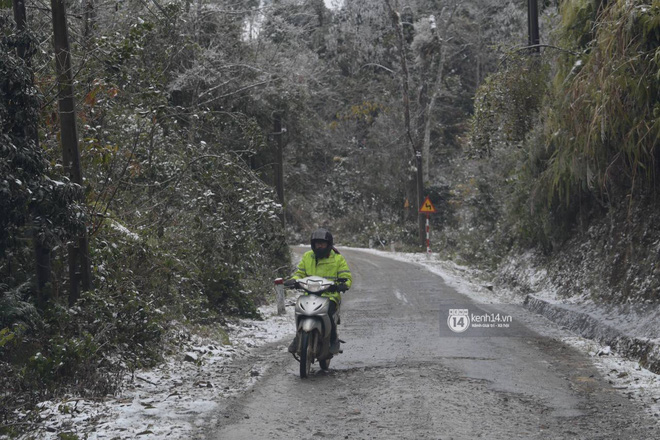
{"type": "Point", "coordinates": [322, 235]}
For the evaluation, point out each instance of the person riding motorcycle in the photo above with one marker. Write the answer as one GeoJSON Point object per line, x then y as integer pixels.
{"type": "Point", "coordinates": [324, 261]}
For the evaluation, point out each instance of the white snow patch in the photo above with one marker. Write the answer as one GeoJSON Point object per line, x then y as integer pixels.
{"type": "Point", "coordinates": [123, 229]}
{"type": "Point", "coordinates": [401, 297]}
{"type": "Point", "coordinates": [174, 399]}
{"type": "Point", "coordinates": [626, 376]}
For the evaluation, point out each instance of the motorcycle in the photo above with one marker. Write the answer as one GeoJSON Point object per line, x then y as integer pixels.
{"type": "Point", "coordinates": [313, 324]}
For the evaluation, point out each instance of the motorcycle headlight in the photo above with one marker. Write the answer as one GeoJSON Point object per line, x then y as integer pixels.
{"type": "Point", "coordinates": [314, 286]}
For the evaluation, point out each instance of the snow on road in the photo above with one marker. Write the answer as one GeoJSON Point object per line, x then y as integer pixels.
{"type": "Point", "coordinates": [178, 397]}
{"type": "Point", "coordinates": [401, 297]}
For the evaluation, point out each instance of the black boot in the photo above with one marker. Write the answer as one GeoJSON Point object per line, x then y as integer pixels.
{"type": "Point", "coordinates": [334, 346]}
{"type": "Point", "coordinates": [334, 340]}
{"type": "Point", "coordinates": [293, 346]}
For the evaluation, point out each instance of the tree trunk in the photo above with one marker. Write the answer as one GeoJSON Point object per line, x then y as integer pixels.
{"type": "Point", "coordinates": [436, 88]}
{"type": "Point", "coordinates": [396, 18]}
{"type": "Point", "coordinates": [42, 268]}
{"type": "Point", "coordinates": [428, 111]}
{"type": "Point", "coordinates": [41, 250]}
{"type": "Point", "coordinates": [20, 16]}
{"type": "Point", "coordinates": [417, 154]}
{"type": "Point", "coordinates": [89, 18]}
{"type": "Point", "coordinates": [480, 40]}
{"type": "Point", "coordinates": [79, 251]}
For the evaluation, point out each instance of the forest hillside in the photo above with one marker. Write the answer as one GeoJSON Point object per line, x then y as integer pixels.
{"type": "Point", "coordinates": [157, 157]}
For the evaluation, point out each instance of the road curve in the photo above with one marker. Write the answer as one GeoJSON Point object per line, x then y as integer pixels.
{"type": "Point", "coordinates": [402, 375]}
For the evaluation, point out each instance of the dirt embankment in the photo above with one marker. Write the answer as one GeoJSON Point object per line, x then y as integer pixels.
{"type": "Point", "coordinates": [603, 283]}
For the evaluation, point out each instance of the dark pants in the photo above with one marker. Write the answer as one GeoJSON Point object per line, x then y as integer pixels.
{"type": "Point", "coordinates": [331, 312]}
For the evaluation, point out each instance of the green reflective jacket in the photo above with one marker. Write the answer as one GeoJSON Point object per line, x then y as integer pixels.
{"type": "Point", "coordinates": [333, 267]}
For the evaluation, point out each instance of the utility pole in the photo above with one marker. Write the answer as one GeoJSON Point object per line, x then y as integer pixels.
{"type": "Point", "coordinates": [79, 261]}
{"type": "Point", "coordinates": [533, 26]}
{"type": "Point", "coordinates": [421, 220]}
{"type": "Point", "coordinates": [278, 132]}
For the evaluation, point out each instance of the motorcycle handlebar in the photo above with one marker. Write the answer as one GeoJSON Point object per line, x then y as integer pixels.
{"type": "Point", "coordinates": [339, 286]}
{"type": "Point", "coordinates": [292, 284]}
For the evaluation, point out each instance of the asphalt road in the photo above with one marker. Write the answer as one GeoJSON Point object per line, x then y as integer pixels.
{"type": "Point", "coordinates": [403, 375]}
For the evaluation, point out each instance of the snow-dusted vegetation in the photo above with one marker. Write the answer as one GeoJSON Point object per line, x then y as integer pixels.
{"type": "Point", "coordinates": [207, 135]}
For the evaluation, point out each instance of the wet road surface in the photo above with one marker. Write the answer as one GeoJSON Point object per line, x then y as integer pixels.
{"type": "Point", "coordinates": [403, 376]}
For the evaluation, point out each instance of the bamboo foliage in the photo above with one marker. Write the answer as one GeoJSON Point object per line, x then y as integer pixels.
{"type": "Point", "coordinates": [603, 128]}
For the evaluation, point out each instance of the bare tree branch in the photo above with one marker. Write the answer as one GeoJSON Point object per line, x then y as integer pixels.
{"type": "Point", "coordinates": [377, 65]}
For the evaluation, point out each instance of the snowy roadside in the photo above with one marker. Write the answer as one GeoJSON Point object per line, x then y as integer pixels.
{"type": "Point", "coordinates": [172, 400]}
{"type": "Point", "coordinates": [624, 374]}
{"type": "Point", "coordinates": [180, 396]}
{"type": "Point", "coordinates": [631, 328]}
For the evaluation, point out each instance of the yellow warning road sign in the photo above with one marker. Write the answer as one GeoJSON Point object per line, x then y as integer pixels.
{"type": "Point", "coordinates": [427, 206]}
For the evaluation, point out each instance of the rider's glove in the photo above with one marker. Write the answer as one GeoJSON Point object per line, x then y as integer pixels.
{"type": "Point", "coordinates": [290, 283]}
{"type": "Point", "coordinates": [341, 287]}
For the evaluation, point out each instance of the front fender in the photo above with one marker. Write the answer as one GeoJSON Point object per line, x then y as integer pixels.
{"type": "Point", "coordinates": [309, 324]}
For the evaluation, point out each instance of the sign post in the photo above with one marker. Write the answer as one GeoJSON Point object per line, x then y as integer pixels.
{"type": "Point", "coordinates": [428, 234]}
{"type": "Point", "coordinates": [428, 209]}
{"type": "Point", "coordinates": [279, 290]}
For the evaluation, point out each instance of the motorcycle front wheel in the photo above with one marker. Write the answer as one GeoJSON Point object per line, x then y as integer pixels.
{"type": "Point", "coordinates": [306, 354]}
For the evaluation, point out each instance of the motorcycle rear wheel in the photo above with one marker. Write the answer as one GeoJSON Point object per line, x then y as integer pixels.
{"type": "Point", "coordinates": [306, 354]}
{"type": "Point", "coordinates": [325, 364]}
